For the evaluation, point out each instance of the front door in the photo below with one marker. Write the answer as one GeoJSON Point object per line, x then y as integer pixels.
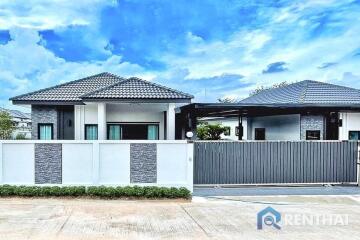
{"type": "Point", "coordinates": [66, 122]}
{"type": "Point", "coordinates": [332, 126]}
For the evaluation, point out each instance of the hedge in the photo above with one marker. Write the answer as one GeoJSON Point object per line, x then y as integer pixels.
{"type": "Point", "coordinates": [94, 191]}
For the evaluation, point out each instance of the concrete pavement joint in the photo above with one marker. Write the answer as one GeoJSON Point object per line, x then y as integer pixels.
{"type": "Point", "coordinates": [196, 222]}
{"type": "Point", "coordinates": [244, 201]}
{"type": "Point", "coordinates": [63, 225]}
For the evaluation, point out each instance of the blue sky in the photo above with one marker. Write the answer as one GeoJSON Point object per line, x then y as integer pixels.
{"type": "Point", "coordinates": [211, 49]}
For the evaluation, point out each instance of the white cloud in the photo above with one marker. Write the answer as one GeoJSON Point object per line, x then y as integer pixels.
{"type": "Point", "coordinates": [285, 37]}
{"type": "Point", "coordinates": [49, 14]}
{"type": "Point", "coordinates": [213, 59]}
{"type": "Point", "coordinates": [27, 66]}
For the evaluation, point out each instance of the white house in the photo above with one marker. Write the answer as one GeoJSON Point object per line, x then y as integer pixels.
{"type": "Point", "coordinates": [104, 106]}
{"type": "Point", "coordinates": [21, 122]}
{"type": "Point", "coordinates": [306, 110]}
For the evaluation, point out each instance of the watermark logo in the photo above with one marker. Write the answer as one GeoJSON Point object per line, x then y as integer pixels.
{"type": "Point", "coordinates": [269, 217]}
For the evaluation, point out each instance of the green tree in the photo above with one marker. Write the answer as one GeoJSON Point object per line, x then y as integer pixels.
{"type": "Point", "coordinates": [6, 125]}
{"type": "Point", "coordinates": [20, 136]}
{"type": "Point", "coordinates": [262, 88]}
{"type": "Point", "coordinates": [227, 100]}
{"type": "Point", "coordinates": [210, 131]}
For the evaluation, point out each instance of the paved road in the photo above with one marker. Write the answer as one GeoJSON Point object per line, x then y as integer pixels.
{"type": "Point", "coordinates": [232, 217]}
{"type": "Point", "coordinates": [277, 191]}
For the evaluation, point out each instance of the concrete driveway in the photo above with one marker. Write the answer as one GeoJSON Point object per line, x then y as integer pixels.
{"type": "Point", "coordinates": [211, 217]}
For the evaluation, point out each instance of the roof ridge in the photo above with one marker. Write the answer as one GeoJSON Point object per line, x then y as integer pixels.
{"type": "Point", "coordinates": [304, 91]}
{"type": "Point", "coordinates": [105, 88]}
{"type": "Point", "coordinates": [161, 86]}
{"type": "Point", "coordinates": [60, 85]}
{"type": "Point", "coordinates": [137, 79]}
{"type": "Point", "coordinates": [332, 84]}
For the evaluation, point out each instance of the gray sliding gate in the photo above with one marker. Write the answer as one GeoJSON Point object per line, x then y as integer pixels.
{"type": "Point", "coordinates": [271, 162]}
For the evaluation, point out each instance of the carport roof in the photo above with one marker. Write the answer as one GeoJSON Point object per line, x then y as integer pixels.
{"type": "Point", "coordinates": [301, 97]}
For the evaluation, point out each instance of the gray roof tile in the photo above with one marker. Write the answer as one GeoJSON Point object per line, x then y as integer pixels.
{"type": "Point", "coordinates": [136, 88]}
{"type": "Point", "coordinates": [103, 85]}
{"type": "Point", "coordinates": [16, 113]}
{"type": "Point", "coordinates": [306, 92]}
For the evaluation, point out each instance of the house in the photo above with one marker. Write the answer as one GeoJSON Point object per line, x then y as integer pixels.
{"type": "Point", "coordinates": [21, 122]}
{"type": "Point", "coordinates": [306, 110]}
{"type": "Point", "coordinates": [104, 106]}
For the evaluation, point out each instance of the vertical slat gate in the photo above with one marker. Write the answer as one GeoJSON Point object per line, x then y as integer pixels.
{"type": "Point", "coordinates": [273, 162]}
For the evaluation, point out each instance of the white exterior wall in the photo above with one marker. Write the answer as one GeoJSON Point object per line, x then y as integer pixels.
{"type": "Point", "coordinates": [350, 122]}
{"type": "Point", "coordinates": [232, 123]}
{"type": "Point", "coordinates": [141, 113]}
{"type": "Point", "coordinates": [17, 162]}
{"type": "Point", "coordinates": [98, 162]}
{"type": "Point", "coordinates": [282, 127]}
{"type": "Point", "coordinates": [127, 113]}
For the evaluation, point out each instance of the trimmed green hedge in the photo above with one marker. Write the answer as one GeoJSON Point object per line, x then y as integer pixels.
{"type": "Point", "coordinates": [94, 191]}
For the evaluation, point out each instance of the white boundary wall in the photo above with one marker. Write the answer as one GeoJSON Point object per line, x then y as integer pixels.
{"type": "Point", "coordinates": [98, 162]}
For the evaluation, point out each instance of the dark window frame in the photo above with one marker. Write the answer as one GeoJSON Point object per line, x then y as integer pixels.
{"type": "Point", "coordinates": [132, 123]}
{"type": "Point", "coordinates": [227, 132]}
{"type": "Point", "coordinates": [260, 129]}
{"type": "Point", "coordinates": [358, 132]}
{"type": "Point", "coordinates": [46, 124]}
{"type": "Point", "coordinates": [312, 131]}
{"type": "Point", "coordinates": [97, 131]}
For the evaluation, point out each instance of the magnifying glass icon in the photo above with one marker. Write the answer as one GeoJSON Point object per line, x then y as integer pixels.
{"type": "Point", "coordinates": [270, 221]}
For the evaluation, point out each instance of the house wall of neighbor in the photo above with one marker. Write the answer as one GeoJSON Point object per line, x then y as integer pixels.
{"type": "Point", "coordinates": [312, 122]}
{"type": "Point", "coordinates": [43, 114]}
{"type": "Point", "coordinates": [281, 127]}
{"type": "Point", "coordinates": [350, 122]}
{"type": "Point", "coordinates": [232, 123]}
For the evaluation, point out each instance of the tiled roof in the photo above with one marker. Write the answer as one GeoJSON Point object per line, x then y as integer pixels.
{"type": "Point", "coordinates": [16, 113]}
{"type": "Point", "coordinates": [71, 91]}
{"type": "Point", "coordinates": [100, 86]}
{"type": "Point", "coordinates": [306, 92]}
{"type": "Point", "coordinates": [135, 88]}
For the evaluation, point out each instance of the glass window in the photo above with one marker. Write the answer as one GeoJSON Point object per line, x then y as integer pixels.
{"type": "Point", "coordinates": [45, 131]}
{"type": "Point", "coordinates": [354, 135]}
{"type": "Point", "coordinates": [259, 133]}
{"type": "Point", "coordinates": [313, 135]}
{"type": "Point", "coordinates": [114, 132]}
{"type": "Point", "coordinates": [227, 131]}
{"type": "Point", "coordinates": [153, 132]}
{"type": "Point", "coordinates": [91, 132]}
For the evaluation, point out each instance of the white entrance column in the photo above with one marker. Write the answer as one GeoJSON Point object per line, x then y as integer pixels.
{"type": "Point", "coordinates": [170, 122]}
{"type": "Point", "coordinates": [101, 111]}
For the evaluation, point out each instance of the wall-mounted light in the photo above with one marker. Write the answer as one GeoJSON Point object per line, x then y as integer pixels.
{"type": "Point", "coordinates": [189, 134]}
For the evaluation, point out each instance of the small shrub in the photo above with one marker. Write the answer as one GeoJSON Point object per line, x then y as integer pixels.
{"type": "Point", "coordinates": [20, 136]}
{"type": "Point", "coordinates": [94, 191]}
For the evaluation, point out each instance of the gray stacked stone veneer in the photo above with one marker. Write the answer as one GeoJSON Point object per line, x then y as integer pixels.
{"type": "Point", "coordinates": [311, 122]}
{"type": "Point", "coordinates": [43, 114]}
{"type": "Point", "coordinates": [48, 162]}
{"type": "Point", "coordinates": [143, 163]}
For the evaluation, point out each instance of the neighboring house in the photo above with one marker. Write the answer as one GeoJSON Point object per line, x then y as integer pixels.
{"type": "Point", "coordinates": [306, 110]}
{"type": "Point", "coordinates": [231, 124]}
{"type": "Point", "coordinates": [21, 122]}
{"type": "Point", "coordinates": [104, 106]}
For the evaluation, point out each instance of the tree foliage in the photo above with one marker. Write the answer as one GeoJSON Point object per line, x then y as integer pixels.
{"type": "Point", "coordinates": [227, 100]}
{"type": "Point", "coordinates": [262, 88]}
{"type": "Point", "coordinates": [20, 136]}
{"type": "Point", "coordinates": [210, 131]}
{"type": "Point", "coordinates": [6, 125]}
